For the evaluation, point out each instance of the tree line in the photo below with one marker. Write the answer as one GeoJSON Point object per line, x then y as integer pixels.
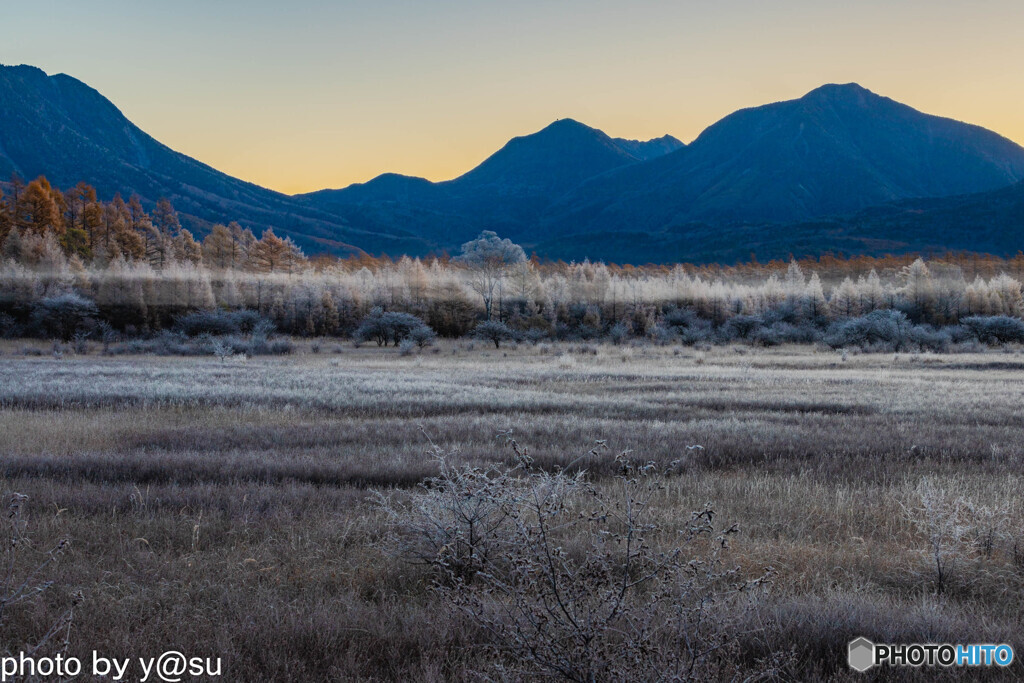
{"type": "Point", "coordinates": [38, 220]}
{"type": "Point", "coordinates": [143, 271]}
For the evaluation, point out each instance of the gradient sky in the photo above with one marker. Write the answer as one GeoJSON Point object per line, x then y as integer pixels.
{"type": "Point", "coordinates": [303, 95]}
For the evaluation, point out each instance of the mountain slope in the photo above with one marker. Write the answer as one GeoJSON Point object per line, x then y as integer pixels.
{"type": "Point", "coordinates": [59, 127]}
{"type": "Point", "coordinates": [551, 161]}
{"type": "Point", "coordinates": [839, 169]}
{"type": "Point", "coordinates": [646, 150]}
{"type": "Point", "coordinates": [986, 222]}
{"type": "Point", "coordinates": [509, 191]}
{"type": "Point", "coordinates": [838, 149]}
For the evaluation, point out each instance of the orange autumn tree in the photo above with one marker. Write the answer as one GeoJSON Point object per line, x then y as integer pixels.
{"type": "Point", "coordinates": [271, 254]}
{"type": "Point", "coordinates": [41, 209]}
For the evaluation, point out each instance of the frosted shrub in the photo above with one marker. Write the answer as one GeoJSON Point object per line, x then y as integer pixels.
{"type": "Point", "coordinates": [878, 327]}
{"type": "Point", "coordinates": [928, 338]}
{"type": "Point", "coordinates": [741, 327]}
{"type": "Point", "coordinates": [388, 327]}
{"type": "Point", "coordinates": [81, 342]}
{"type": "Point", "coordinates": [494, 331]}
{"type": "Point", "coordinates": [535, 335]}
{"type": "Point", "coordinates": [785, 333]}
{"type": "Point", "coordinates": [684, 325]}
{"type": "Point", "coordinates": [221, 350]}
{"type": "Point", "coordinates": [217, 322]}
{"type": "Point", "coordinates": [998, 329]}
{"type": "Point", "coordinates": [422, 336]}
{"type": "Point", "coordinates": [958, 532]}
{"type": "Point", "coordinates": [25, 567]}
{"type": "Point", "coordinates": [63, 315]}
{"type": "Point", "coordinates": [578, 580]}
{"type": "Point", "coordinates": [619, 332]}
{"type": "Point", "coordinates": [9, 327]}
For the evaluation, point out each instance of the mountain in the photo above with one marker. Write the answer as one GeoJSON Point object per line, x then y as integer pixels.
{"type": "Point", "coordinates": [509, 192]}
{"type": "Point", "coordinates": [985, 222]}
{"type": "Point", "coordinates": [991, 222]}
{"type": "Point", "coordinates": [551, 161]}
{"type": "Point", "coordinates": [760, 179]}
{"type": "Point", "coordinates": [839, 169]}
{"type": "Point", "coordinates": [59, 127]}
{"type": "Point", "coordinates": [838, 149]}
{"type": "Point", "coordinates": [650, 149]}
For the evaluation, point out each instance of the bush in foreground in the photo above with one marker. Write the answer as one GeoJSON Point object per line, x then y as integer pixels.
{"type": "Point", "coordinates": [577, 581]}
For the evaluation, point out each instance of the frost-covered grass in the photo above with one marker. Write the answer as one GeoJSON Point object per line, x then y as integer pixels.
{"type": "Point", "coordinates": [228, 504]}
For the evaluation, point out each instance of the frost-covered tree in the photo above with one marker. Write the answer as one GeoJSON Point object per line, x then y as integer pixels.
{"type": "Point", "coordinates": [488, 258]}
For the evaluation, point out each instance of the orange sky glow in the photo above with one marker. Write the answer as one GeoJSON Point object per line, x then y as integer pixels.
{"type": "Point", "coordinates": [324, 94]}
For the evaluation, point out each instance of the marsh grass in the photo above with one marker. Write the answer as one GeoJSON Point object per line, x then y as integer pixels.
{"type": "Point", "coordinates": [228, 509]}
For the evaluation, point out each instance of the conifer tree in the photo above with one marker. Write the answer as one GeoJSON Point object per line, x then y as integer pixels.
{"type": "Point", "coordinates": [219, 248]}
{"type": "Point", "coordinates": [270, 254]}
{"type": "Point", "coordinates": [41, 208]}
{"type": "Point", "coordinates": [186, 249]}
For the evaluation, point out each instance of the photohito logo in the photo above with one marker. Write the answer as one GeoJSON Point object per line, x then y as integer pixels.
{"type": "Point", "coordinates": [863, 654]}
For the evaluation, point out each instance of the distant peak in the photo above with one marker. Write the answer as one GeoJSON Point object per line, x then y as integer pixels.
{"type": "Point", "coordinates": [35, 74]}
{"type": "Point", "coordinates": [565, 125]}
{"type": "Point", "coordinates": [24, 68]}
{"type": "Point", "coordinates": [839, 91]}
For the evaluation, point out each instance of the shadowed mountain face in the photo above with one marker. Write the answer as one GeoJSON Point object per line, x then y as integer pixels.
{"type": "Point", "coordinates": [796, 176]}
{"type": "Point", "coordinates": [58, 127]}
{"type": "Point", "coordinates": [572, 191]}
{"type": "Point", "coordinates": [988, 222]}
{"type": "Point", "coordinates": [509, 192]}
{"type": "Point", "coordinates": [650, 149]}
{"type": "Point", "coordinates": [838, 149]}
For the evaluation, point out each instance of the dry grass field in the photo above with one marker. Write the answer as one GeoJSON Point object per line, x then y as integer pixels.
{"type": "Point", "coordinates": [228, 508]}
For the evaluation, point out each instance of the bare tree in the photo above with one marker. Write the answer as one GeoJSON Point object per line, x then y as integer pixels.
{"type": "Point", "coordinates": [489, 258]}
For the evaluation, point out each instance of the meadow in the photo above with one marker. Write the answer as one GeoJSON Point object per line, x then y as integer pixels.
{"type": "Point", "coordinates": [231, 508]}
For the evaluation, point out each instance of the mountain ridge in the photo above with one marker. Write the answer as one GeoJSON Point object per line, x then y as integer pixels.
{"type": "Point", "coordinates": [59, 127]}
{"type": "Point", "coordinates": [836, 168]}
{"type": "Point", "coordinates": [508, 191]}
{"type": "Point", "coordinates": [837, 149]}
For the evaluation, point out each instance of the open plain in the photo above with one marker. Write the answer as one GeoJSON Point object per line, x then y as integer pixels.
{"type": "Point", "coordinates": [228, 507]}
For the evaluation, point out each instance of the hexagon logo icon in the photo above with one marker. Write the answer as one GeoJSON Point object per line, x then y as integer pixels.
{"type": "Point", "coordinates": [861, 654]}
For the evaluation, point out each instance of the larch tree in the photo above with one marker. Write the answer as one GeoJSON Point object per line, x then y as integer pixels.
{"type": "Point", "coordinates": [844, 302]}
{"type": "Point", "coordinates": [17, 185]}
{"type": "Point", "coordinates": [242, 242]}
{"type": "Point", "coordinates": [270, 254]}
{"type": "Point", "coordinates": [219, 248]}
{"type": "Point", "coordinates": [329, 320]}
{"type": "Point", "coordinates": [12, 247]}
{"type": "Point", "coordinates": [918, 289]}
{"type": "Point", "coordinates": [165, 218]}
{"type": "Point", "coordinates": [794, 283]}
{"type": "Point", "coordinates": [92, 220]}
{"type": "Point", "coordinates": [160, 238]}
{"type": "Point", "coordinates": [186, 249]}
{"type": "Point", "coordinates": [41, 208]}
{"type": "Point", "coordinates": [1007, 291]}
{"type": "Point", "coordinates": [294, 259]}
{"type": "Point", "coordinates": [141, 223]}
{"type": "Point", "coordinates": [814, 303]}
{"type": "Point", "coordinates": [872, 292]}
